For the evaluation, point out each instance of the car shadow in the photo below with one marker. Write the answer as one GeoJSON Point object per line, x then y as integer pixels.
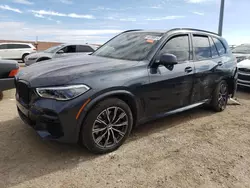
{"type": "Point", "coordinates": [24, 156]}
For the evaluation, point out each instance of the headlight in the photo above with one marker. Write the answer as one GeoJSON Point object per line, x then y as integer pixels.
{"type": "Point", "coordinates": [62, 93]}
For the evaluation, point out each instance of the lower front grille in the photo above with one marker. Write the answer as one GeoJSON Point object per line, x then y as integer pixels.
{"type": "Point", "coordinates": [244, 70]}
{"type": "Point", "coordinates": [243, 77]}
{"type": "Point", "coordinates": [23, 91]}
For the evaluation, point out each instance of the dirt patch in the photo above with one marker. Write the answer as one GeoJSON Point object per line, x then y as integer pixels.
{"type": "Point", "coordinates": [197, 148]}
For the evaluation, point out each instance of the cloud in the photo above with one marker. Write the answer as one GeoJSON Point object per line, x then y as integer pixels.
{"type": "Point", "coordinates": [121, 19]}
{"type": "Point", "coordinates": [199, 13]}
{"type": "Point", "coordinates": [165, 18]}
{"type": "Point", "coordinates": [23, 31]}
{"type": "Point", "coordinates": [102, 8]}
{"type": "Point", "coordinates": [25, 2]}
{"type": "Point", "coordinates": [39, 16]}
{"type": "Point", "coordinates": [198, 1]}
{"type": "Point", "coordinates": [71, 15]}
{"type": "Point", "coordinates": [68, 2]}
{"type": "Point", "coordinates": [7, 7]}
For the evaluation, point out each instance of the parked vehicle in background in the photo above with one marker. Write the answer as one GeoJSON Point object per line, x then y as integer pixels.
{"type": "Point", "coordinates": [8, 69]}
{"type": "Point", "coordinates": [135, 77]}
{"type": "Point", "coordinates": [59, 51]}
{"type": "Point", "coordinates": [242, 52]}
{"type": "Point", "coordinates": [244, 73]}
{"type": "Point", "coordinates": [16, 51]}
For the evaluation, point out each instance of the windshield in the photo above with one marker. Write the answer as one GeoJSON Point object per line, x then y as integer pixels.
{"type": "Point", "coordinates": [242, 49]}
{"type": "Point", "coordinates": [134, 46]}
{"type": "Point", "coordinates": [53, 49]}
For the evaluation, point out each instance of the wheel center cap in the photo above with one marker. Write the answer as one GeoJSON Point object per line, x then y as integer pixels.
{"type": "Point", "coordinates": [109, 126]}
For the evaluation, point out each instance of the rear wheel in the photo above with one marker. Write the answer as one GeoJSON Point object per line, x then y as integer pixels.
{"type": "Point", "coordinates": [220, 96]}
{"type": "Point", "coordinates": [1, 95]}
{"type": "Point", "coordinates": [107, 126]}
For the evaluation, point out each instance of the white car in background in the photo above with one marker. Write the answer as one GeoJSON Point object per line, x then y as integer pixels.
{"type": "Point", "coordinates": [244, 73]}
{"type": "Point", "coordinates": [16, 51]}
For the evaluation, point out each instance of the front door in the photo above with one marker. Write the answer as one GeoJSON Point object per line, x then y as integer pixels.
{"type": "Point", "coordinates": [171, 87]}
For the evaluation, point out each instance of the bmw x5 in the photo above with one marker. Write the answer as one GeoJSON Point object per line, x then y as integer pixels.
{"type": "Point", "coordinates": [136, 76]}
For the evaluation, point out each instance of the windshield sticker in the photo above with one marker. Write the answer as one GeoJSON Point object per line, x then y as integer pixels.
{"type": "Point", "coordinates": [149, 37]}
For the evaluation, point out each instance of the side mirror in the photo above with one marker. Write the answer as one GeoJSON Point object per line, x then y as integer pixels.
{"type": "Point", "coordinates": [60, 52]}
{"type": "Point", "coordinates": [168, 59]}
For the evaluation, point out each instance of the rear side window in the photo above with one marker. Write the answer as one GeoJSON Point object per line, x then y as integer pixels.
{"type": "Point", "coordinates": [220, 47]}
{"type": "Point", "coordinates": [17, 46]}
{"type": "Point", "coordinates": [3, 47]}
{"type": "Point", "coordinates": [201, 47]}
{"type": "Point", "coordinates": [82, 48]}
{"type": "Point", "coordinates": [213, 48]}
{"type": "Point", "coordinates": [178, 46]}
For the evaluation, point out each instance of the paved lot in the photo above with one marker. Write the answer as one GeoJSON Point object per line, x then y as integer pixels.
{"type": "Point", "coordinates": [197, 148]}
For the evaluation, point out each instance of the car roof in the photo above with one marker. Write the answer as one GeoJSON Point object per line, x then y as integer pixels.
{"type": "Point", "coordinates": [175, 29]}
{"type": "Point", "coordinates": [16, 43]}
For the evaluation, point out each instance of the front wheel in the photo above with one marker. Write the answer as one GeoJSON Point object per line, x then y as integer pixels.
{"type": "Point", "coordinates": [107, 126]}
{"type": "Point", "coordinates": [220, 96]}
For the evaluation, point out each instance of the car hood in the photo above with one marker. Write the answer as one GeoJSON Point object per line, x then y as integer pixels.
{"type": "Point", "coordinates": [65, 70]}
{"type": "Point", "coordinates": [39, 54]}
{"type": "Point", "coordinates": [241, 55]}
{"type": "Point", "coordinates": [244, 64]}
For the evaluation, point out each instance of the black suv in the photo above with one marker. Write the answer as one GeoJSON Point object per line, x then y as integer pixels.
{"type": "Point", "coordinates": [135, 77]}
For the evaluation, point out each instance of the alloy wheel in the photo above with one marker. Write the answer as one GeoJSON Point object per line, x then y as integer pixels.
{"type": "Point", "coordinates": [223, 96]}
{"type": "Point", "coordinates": [110, 127]}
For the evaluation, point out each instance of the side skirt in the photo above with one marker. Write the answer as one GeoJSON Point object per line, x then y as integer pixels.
{"type": "Point", "coordinates": [144, 120]}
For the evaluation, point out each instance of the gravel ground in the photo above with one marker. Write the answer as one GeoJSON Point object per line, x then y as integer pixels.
{"type": "Point", "coordinates": [197, 148]}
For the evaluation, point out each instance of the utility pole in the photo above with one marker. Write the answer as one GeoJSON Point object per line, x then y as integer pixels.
{"type": "Point", "coordinates": [222, 5]}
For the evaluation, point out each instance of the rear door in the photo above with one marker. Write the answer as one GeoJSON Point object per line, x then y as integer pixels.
{"type": "Point", "coordinates": [171, 87]}
{"type": "Point", "coordinates": [207, 61]}
{"type": "Point", "coordinates": [3, 50]}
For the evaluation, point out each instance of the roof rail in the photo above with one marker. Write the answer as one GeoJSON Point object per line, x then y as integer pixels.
{"type": "Point", "coordinates": [192, 29]}
{"type": "Point", "coordinates": [131, 30]}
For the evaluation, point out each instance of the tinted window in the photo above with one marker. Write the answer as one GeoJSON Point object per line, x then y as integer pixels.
{"type": "Point", "coordinates": [69, 49]}
{"type": "Point", "coordinates": [15, 46]}
{"type": "Point", "coordinates": [213, 48]}
{"type": "Point", "coordinates": [179, 46]}
{"type": "Point", "coordinates": [220, 47]}
{"type": "Point", "coordinates": [82, 48]}
{"type": "Point", "coordinates": [3, 46]}
{"type": "Point", "coordinates": [201, 47]}
{"type": "Point", "coordinates": [133, 46]}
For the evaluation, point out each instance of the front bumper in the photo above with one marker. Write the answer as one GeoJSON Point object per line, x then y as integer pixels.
{"type": "Point", "coordinates": [53, 120]}
{"type": "Point", "coordinates": [29, 62]}
{"type": "Point", "coordinates": [7, 83]}
{"type": "Point", "coordinates": [244, 78]}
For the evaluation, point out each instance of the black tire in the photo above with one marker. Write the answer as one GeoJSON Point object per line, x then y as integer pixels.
{"type": "Point", "coordinates": [220, 96]}
{"type": "Point", "coordinates": [88, 137]}
{"type": "Point", "coordinates": [1, 95]}
{"type": "Point", "coordinates": [23, 57]}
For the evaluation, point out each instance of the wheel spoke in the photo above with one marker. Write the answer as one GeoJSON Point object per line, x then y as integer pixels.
{"type": "Point", "coordinates": [122, 115]}
{"type": "Point", "coordinates": [99, 130]}
{"type": "Point", "coordinates": [99, 139]}
{"type": "Point", "coordinates": [113, 136]}
{"type": "Point", "coordinates": [120, 125]}
{"type": "Point", "coordinates": [115, 113]}
{"type": "Point", "coordinates": [120, 132]}
{"type": "Point", "coordinates": [101, 121]}
{"type": "Point", "coordinates": [107, 139]}
{"type": "Point", "coordinates": [107, 114]}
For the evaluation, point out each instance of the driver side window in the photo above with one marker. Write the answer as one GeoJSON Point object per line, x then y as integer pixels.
{"type": "Point", "coordinates": [69, 49]}
{"type": "Point", "coordinates": [178, 46]}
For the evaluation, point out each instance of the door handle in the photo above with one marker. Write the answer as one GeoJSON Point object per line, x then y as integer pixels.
{"type": "Point", "coordinates": [220, 63]}
{"type": "Point", "coordinates": [188, 69]}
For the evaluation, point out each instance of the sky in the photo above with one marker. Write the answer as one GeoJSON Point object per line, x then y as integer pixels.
{"type": "Point", "coordinates": [96, 21]}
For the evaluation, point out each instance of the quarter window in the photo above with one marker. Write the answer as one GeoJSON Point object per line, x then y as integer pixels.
{"type": "Point", "coordinates": [201, 47]}
{"type": "Point", "coordinates": [178, 46]}
{"type": "Point", "coordinates": [220, 47]}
